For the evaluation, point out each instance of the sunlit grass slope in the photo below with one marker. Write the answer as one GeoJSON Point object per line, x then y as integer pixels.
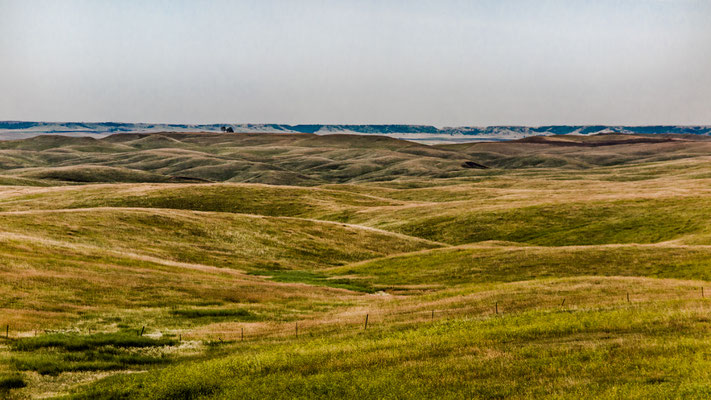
{"type": "Point", "coordinates": [644, 351]}
{"type": "Point", "coordinates": [59, 265]}
{"type": "Point", "coordinates": [47, 285]}
{"type": "Point", "coordinates": [217, 239]}
{"type": "Point", "coordinates": [505, 263]}
{"type": "Point", "coordinates": [282, 201]}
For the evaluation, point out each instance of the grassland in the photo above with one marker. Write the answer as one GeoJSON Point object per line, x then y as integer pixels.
{"type": "Point", "coordinates": [244, 266]}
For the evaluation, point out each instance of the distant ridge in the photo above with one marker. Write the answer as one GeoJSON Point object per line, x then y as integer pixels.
{"type": "Point", "coordinates": [420, 133]}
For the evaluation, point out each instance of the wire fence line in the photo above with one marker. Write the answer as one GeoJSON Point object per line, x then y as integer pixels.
{"type": "Point", "coordinates": [378, 318]}
{"type": "Point", "coordinates": [375, 319]}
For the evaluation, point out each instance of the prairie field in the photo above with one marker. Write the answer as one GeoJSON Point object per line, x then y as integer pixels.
{"type": "Point", "coordinates": [226, 266]}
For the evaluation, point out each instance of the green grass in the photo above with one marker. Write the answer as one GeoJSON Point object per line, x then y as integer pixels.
{"type": "Point", "coordinates": [314, 278]}
{"type": "Point", "coordinates": [217, 239]}
{"type": "Point", "coordinates": [45, 363]}
{"type": "Point", "coordinates": [75, 342]}
{"type": "Point", "coordinates": [11, 381]}
{"type": "Point", "coordinates": [482, 264]}
{"type": "Point", "coordinates": [91, 173]}
{"type": "Point", "coordinates": [646, 352]}
{"type": "Point", "coordinates": [53, 354]}
{"type": "Point", "coordinates": [238, 314]}
{"type": "Point", "coordinates": [575, 223]}
{"type": "Point", "coordinates": [246, 199]}
{"type": "Point", "coordinates": [47, 286]}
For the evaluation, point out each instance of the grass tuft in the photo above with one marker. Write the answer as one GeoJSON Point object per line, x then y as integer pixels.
{"type": "Point", "coordinates": [11, 381]}
{"type": "Point", "coordinates": [239, 314]}
{"type": "Point", "coordinates": [76, 342]}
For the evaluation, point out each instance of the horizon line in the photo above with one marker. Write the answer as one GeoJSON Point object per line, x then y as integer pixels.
{"type": "Point", "coordinates": [360, 124]}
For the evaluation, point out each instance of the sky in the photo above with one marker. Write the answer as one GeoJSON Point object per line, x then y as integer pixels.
{"type": "Point", "coordinates": [442, 63]}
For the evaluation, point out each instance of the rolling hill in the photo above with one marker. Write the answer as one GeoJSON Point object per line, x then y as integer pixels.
{"type": "Point", "coordinates": [197, 266]}
{"type": "Point", "coordinates": [310, 160]}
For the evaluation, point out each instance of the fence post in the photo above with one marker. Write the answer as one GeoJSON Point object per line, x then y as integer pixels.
{"type": "Point", "coordinates": [432, 315]}
{"type": "Point", "coordinates": [496, 305]}
{"type": "Point", "coordinates": [243, 334]}
{"type": "Point", "coordinates": [561, 304]}
{"type": "Point", "coordinates": [366, 322]}
{"type": "Point", "coordinates": [628, 297]}
{"type": "Point", "coordinates": [142, 329]}
{"type": "Point", "coordinates": [7, 331]}
{"type": "Point", "coordinates": [296, 329]}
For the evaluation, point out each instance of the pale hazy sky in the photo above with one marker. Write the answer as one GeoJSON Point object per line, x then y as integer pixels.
{"type": "Point", "coordinates": [444, 63]}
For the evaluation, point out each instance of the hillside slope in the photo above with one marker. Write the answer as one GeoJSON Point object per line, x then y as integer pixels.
{"type": "Point", "coordinates": [309, 160]}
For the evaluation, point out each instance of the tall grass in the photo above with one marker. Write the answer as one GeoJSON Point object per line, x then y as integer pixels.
{"type": "Point", "coordinates": [625, 352]}
{"type": "Point", "coordinates": [76, 342]}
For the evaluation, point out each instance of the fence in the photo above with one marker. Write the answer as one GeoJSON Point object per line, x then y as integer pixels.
{"type": "Point", "coordinates": [370, 319]}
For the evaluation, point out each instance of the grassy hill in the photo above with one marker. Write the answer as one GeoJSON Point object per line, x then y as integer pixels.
{"type": "Point", "coordinates": [309, 160]}
{"type": "Point", "coordinates": [300, 159]}
{"type": "Point", "coordinates": [126, 275]}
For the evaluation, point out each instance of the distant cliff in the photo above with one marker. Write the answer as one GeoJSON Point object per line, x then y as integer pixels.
{"type": "Point", "coordinates": [422, 133]}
